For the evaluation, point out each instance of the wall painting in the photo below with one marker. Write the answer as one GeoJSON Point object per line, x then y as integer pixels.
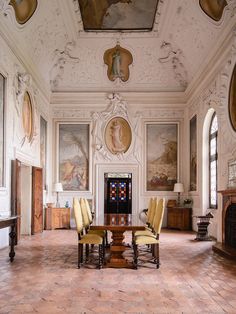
{"type": "Point", "coordinates": [74, 156]}
{"type": "Point", "coordinates": [161, 156]}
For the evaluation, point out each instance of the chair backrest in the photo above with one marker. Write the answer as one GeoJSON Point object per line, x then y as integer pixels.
{"type": "Point", "coordinates": [149, 210]}
{"type": "Point", "coordinates": [159, 216]}
{"type": "Point", "coordinates": [90, 217]}
{"type": "Point", "coordinates": [84, 211]}
{"type": "Point", "coordinates": [153, 211]}
{"type": "Point", "coordinates": [78, 215]}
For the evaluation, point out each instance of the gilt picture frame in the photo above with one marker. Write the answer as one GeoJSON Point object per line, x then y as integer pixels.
{"type": "Point", "coordinates": [74, 156]}
{"type": "Point", "coordinates": [43, 149]}
{"type": "Point", "coordinates": [118, 135]}
{"type": "Point", "coordinates": [161, 156]}
{"type": "Point", "coordinates": [2, 130]}
{"type": "Point", "coordinates": [193, 153]}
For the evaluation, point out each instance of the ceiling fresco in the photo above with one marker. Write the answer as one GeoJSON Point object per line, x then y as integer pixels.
{"type": "Point", "coordinates": [66, 58]}
{"type": "Point", "coordinates": [118, 14]}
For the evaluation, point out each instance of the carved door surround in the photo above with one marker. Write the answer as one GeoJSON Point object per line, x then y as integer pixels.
{"type": "Point", "coordinates": [123, 149]}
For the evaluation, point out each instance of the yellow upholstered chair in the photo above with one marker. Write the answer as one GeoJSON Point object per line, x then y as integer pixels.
{"type": "Point", "coordinates": [150, 239]}
{"type": "Point", "coordinates": [86, 238]}
{"type": "Point", "coordinates": [87, 218]}
{"type": "Point", "coordinates": [153, 203]}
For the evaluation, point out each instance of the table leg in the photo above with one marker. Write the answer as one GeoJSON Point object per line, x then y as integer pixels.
{"type": "Point", "coordinates": [117, 249]}
{"type": "Point", "coordinates": [12, 235]}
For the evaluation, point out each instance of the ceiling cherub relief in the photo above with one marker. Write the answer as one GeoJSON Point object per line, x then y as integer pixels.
{"type": "Point", "coordinates": [60, 58]}
{"type": "Point", "coordinates": [174, 56]}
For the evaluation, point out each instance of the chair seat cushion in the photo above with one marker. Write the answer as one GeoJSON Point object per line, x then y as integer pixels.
{"type": "Point", "coordinates": [91, 239]}
{"type": "Point", "coordinates": [101, 233]}
{"type": "Point", "coordinates": [144, 233]}
{"type": "Point", "coordinates": [145, 240]}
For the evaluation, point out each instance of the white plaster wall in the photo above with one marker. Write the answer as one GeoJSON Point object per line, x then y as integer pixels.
{"type": "Point", "coordinates": [15, 147]}
{"type": "Point", "coordinates": [212, 93]}
{"type": "Point", "coordinates": [133, 161]}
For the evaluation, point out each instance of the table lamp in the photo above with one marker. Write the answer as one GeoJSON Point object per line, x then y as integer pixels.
{"type": "Point", "coordinates": [58, 188]}
{"type": "Point", "coordinates": [178, 188]}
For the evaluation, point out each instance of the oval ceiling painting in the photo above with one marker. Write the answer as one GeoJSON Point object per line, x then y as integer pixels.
{"type": "Point", "coordinates": [27, 117]}
{"type": "Point", "coordinates": [118, 135]}
{"type": "Point", "coordinates": [24, 9]}
{"type": "Point", "coordinates": [232, 99]}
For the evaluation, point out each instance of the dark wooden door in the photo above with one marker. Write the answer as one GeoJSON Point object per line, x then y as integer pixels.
{"type": "Point", "coordinates": [37, 200]}
{"type": "Point", "coordinates": [16, 193]}
{"type": "Point", "coordinates": [118, 196]}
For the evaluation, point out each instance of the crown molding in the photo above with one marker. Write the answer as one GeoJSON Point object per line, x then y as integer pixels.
{"type": "Point", "coordinates": [133, 98]}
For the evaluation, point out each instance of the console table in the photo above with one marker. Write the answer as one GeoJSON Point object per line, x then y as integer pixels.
{"type": "Point", "coordinates": [57, 218]}
{"type": "Point", "coordinates": [179, 218]}
{"type": "Point", "coordinates": [10, 222]}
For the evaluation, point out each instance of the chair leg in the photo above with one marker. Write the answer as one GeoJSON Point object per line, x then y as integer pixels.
{"type": "Point", "coordinates": [106, 236]}
{"type": "Point", "coordinates": [157, 255]}
{"type": "Point", "coordinates": [100, 256]}
{"type": "Point", "coordinates": [103, 249]}
{"type": "Point", "coordinates": [135, 255]}
{"type": "Point", "coordinates": [86, 252]}
{"type": "Point", "coordinates": [80, 254]}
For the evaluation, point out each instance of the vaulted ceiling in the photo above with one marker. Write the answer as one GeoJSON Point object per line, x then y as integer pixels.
{"type": "Point", "coordinates": [64, 57]}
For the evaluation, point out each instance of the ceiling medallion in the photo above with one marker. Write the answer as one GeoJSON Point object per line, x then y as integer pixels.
{"type": "Point", "coordinates": [118, 60]}
{"type": "Point", "coordinates": [24, 9]}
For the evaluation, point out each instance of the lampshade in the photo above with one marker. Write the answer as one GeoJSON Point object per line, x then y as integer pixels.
{"type": "Point", "coordinates": [179, 187]}
{"type": "Point", "coordinates": [58, 187]}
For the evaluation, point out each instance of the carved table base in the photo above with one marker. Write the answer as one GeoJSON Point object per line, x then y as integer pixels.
{"type": "Point", "coordinates": [117, 249]}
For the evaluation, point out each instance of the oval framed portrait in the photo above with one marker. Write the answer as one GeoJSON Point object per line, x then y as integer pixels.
{"type": "Point", "coordinates": [118, 135]}
{"type": "Point", "coordinates": [27, 117]}
{"type": "Point", "coordinates": [232, 99]}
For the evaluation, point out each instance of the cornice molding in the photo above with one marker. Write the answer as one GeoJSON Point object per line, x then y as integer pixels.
{"type": "Point", "coordinates": [133, 98]}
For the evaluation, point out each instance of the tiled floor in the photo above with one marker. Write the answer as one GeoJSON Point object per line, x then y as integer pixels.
{"type": "Point", "coordinates": [44, 279]}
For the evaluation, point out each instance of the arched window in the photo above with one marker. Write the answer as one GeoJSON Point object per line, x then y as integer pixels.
{"type": "Point", "coordinates": [213, 155]}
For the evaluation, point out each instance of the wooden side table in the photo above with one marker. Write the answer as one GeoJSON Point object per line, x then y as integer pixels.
{"type": "Point", "coordinates": [56, 218]}
{"type": "Point", "coordinates": [179, 218]}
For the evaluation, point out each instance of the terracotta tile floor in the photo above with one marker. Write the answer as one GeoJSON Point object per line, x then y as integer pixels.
{"type": "Point", "coordinates": [44, 279]}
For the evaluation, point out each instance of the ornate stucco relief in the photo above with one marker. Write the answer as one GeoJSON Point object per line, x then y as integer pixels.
{"type": "Point", "coordinates": [61, 57]}
{"type": "Point", "coordinates": [71, 113]}
{"type": "Point", "coordinates": [231, 7]}
{"type": "Point", "coordinates": [116, 108]}
{"type": "Point", "coordinates": [175, 57]}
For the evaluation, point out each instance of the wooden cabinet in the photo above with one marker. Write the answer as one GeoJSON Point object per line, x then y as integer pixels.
{"type": "Point", "coordinates": [57, 218]}
{"type": "Point", "coordinates": [179, 218]}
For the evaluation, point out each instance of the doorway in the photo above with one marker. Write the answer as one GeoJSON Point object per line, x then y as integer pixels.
{"type": "Point", "coordinates": [118, 193]}
{"type": "Point", "coordinates": [26, 199]}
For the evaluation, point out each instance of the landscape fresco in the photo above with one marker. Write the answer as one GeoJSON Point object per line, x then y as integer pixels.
{"type": "Point", "coordinates": [161, 156]}
{"type": "Point", "coordinates": [74, 156]}
{"type": "Point", "coordinates": [118, 14]}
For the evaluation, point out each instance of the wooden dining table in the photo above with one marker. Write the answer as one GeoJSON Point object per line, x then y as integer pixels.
{"type": "Point", "coordinates": [118, 224]}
